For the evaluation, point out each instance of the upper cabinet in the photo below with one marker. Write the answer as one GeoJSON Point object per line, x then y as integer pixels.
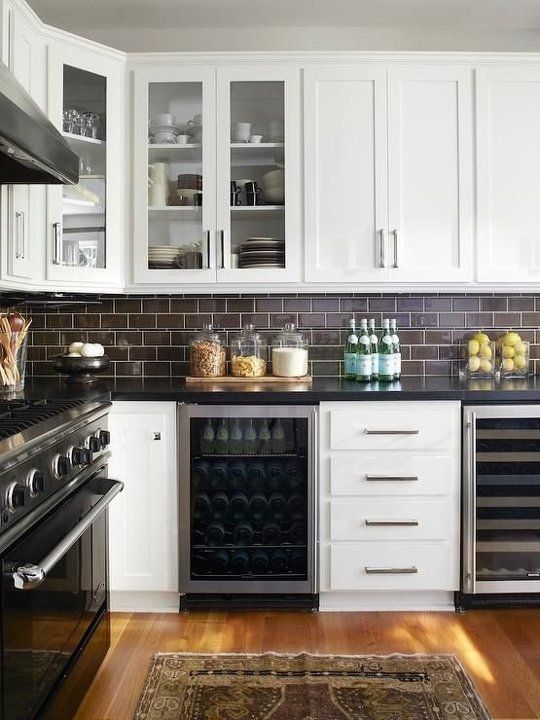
{"type": "Point", "coordinates": [86, 222]}
{"type": "Point", "coordinates": [388, 174]}
{"type": "Point", "coordinates": [508, 175]}
{"type": "Point", "coordinates": [217, 175]}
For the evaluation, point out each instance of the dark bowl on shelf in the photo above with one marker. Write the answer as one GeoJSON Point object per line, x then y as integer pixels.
{"type": "Point", "coordinates": [81, 369]}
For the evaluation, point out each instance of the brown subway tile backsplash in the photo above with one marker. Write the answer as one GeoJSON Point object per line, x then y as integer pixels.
{"type": "Point", "coordinates": [149, 336]}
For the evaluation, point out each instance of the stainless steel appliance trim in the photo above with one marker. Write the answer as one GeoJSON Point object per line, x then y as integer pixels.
{"type": "Point", "coordinates": [367, 431]}
{"type": "Point", "coordinates": [30, 576]}
{"type": "Point", "coordinates": [57, 244]}
{"type": "Point", "coordinates": [382, 258]}
{"type": "Point", "coordinates": [391, 570]}
{"type": "Point", "coordinates": [392, 478]}
{"type": "Point", "coordinates": [468, 580]}
{"type": "Point", "coordinates": [396, 263]}
{"type": "Point", "coordinates": [384, 523]}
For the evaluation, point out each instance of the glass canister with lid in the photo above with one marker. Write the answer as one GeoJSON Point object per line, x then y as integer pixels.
{"type": "Point", "coordinates": [207, 354]}
{"type": "Point", "coordinates": [290, 353]}
{"type": "Point", "coordinates": [248, 353]}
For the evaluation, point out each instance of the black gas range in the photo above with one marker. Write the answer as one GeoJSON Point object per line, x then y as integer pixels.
{"type": "Point", "coordinates": [54, 494]}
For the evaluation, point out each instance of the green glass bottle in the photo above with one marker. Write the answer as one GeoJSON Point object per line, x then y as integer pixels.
{"type": "Point", "coordinates": [397, 349]}
{"type": "Point", "coordinates": [351, 349]}
{"type": "Point", "coordinates": [363, 356]}
{"type": "Point", "coordinates": [374, 350]}
{"type": "Point", "coordinates": [386, 354]}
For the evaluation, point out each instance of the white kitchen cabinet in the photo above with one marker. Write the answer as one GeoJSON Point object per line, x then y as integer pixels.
{"type": "Point", "coordinates": [143, 519]}
{"type": "Point", "coordinates": [508, 174]}
{"type": "Point", "coordinates": [345, 171]}
{"type": "Point", "coordinates": [388, 174]}
{"type": "Point", "coordinates": [86, 222]}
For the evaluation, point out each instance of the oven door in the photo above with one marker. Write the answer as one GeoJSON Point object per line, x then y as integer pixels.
{"type": "Point", "coordinates": [54, 585]}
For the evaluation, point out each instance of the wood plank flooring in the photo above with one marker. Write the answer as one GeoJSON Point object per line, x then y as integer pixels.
{"type": "Point", "coordinates": [499, 648]}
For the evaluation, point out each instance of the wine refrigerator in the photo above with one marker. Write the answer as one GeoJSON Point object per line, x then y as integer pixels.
{"type": "Point", "coordinates": [501, 505]}
{"type": "Point", "coordinates": [247, 495]}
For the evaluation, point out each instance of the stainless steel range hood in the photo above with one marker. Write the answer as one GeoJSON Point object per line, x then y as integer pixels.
{"type": "Point", "coordinates": [33, 149]}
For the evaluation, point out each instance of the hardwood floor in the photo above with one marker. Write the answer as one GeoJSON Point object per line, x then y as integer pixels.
{"type": "Point", "coordinates": [499, 648]}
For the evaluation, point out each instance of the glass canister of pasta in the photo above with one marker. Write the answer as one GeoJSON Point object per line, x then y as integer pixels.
{"type": "Point", "coordinates": [248, 353]}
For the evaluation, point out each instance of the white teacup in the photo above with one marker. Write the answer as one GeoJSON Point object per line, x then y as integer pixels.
{"type": "Point", "coordinates": [255, 139]}
{"type": "Point", "coordinates": [162, 119]}
{"type": "Point", "coordinates": [164, 136]}
{"type": "Point", "coordinates": [241, 132]}
{"type": "Point", "coordinates": [182, 139]}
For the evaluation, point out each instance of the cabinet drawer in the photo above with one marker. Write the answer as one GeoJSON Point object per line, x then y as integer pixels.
{"type": "Point", "coordinates": [394, 426]}
{"type": "Point", "coordinates": [393, 566]}
{"type": "Point", "coordinates": [392, 474]}
{"type": "Point", "coordinates": [387, 519]}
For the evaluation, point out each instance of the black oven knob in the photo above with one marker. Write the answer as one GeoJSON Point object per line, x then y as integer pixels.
{"type": "Point", "coordinates": [81, 456]}
{"type": "Point", "coordinates": [62, 465]}
{"type": "Point", "coordinates": [94, 443]}
{"type": "Point", "coordinates": [15, 497]}
{"type": "Point", "coordinates": [35, 482]}
{"type": "Point", "coordinates": [105, 438]}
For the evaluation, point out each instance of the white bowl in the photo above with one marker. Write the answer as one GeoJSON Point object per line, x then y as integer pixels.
{"type": "Point", "coordinates": [274, 178]}
{"type": "Point", "coordinates": [163, 136]}
{"type": "Point", "coordinates": [274, 195]}
{"type": "Point", "coordinates": [162, 119]}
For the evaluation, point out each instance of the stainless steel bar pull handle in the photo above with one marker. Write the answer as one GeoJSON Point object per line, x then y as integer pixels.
{"type": "Point", "coordinates": [388, 523]}
{"type": "Point", "coordinates": [207, 234]}
{"type": "Point", "coordinates": [382, 258]}
{"type": "Point", "coordinates": [221, 234]}
{"type": "Point", "coordinates": [367, 431]}
{"type": "Point", "coordinates": [391, 478]}
{"type": "Point", "coordinates": [29, 576]}
{"type": "Point", "coordinates": [396, 263]}
{"type": "Point", "coordinates": [19, 230]}
{"type": "Point", "coordinates": [57, 256]}
{"type": "Point", "coordinates": [391, 570]}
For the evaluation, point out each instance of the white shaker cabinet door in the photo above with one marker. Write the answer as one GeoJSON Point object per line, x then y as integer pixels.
{"type": "Point", "coordinates": [345, 174]}
{"type": "Point", "coordinates": [143, 519]}
{"type": "Point", "coordinates": [430, 183]}
{"type": "Point", "coordinates": [508, 175]}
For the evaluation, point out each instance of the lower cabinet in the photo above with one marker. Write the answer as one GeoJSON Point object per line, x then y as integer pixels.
{"type": "Point", "coordinates": [143, 520]}
{"type": "Point", "coordinates": [389, 523]}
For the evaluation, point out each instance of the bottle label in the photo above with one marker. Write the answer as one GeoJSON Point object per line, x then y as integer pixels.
{"type": "Point", "coordinates": [350, 363]}
{"type": "Point", "coordinates": [353, 339]}
{"type": "Point", "coordinates": [386, 364]}
{"type": "Point", "coordinates": [363, 366]}
{"type": "Point", "coordinates": [364, 340]}
{"type": "Point", "coordinates": [386, 339]}
{"type": "Point", "coordinates": [375, 363]}
{"type": "Point", "coordinates": [397, 363]}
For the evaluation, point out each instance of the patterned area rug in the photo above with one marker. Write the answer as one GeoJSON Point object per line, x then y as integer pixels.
{"type": "Point", "coordinates": [308, 687]}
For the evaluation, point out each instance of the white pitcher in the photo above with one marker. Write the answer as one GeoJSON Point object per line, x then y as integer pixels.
{"type": "Point", "coordinates": [158, 184]}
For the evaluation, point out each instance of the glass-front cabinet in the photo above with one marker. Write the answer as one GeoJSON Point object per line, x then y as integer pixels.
{"type": "Point", "coordinates": [217, 175]}
{"type": "Point", "coordinates": [86, 220]}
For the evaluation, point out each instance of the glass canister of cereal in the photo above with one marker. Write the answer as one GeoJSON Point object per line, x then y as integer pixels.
{"type": "Point", "coordinates": [207, 354]}
{"type": "Point", "coordinates": [248, 353]}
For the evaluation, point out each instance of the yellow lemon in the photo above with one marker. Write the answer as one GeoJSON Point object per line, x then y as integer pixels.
{"type": "Point", "coordinates": [511, 338]}
{"type": "Point", "coordinates": [474, 347]}
{"type": "Point", "coordinates": [520, 348]}
{"type": "Point", "coordinates": [508, 365]}
{"type": "Point", "coordinates": [485, 352]}
{"type": "Point", "coordinates": [474, 364]}
{"type": "Point", "coordinates": [520, 362]}
{"type": "Point", "coordinates": [485, 366]}
{"type": "Point", "coordinates": [481, 338]}
{"type": "Point", "coordinates": [508, 351]}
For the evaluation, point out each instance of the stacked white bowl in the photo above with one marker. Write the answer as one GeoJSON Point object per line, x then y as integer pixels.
{"type": "Point", "coordinates": [274, 187]}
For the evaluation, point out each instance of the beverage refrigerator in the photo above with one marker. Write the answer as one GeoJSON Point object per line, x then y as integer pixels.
{"type": "Point", "coordinates": [248, 497]}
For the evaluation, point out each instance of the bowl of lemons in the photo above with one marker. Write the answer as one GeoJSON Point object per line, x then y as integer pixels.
{"type": "Point", "coordinates": [514, 355]}
{"type": "Point", "coordinates": [480, 356]}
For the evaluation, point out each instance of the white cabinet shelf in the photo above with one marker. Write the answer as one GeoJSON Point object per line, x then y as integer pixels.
{"type": "Point", "coordinates": [170, 212]}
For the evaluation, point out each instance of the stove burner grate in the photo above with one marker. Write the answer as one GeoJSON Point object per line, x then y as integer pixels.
{"type": "Point", "coordinates": [19, 415]}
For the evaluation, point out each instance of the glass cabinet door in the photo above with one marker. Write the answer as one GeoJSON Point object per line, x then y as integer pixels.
{"type": "Point", "coordinates": [258, 193]}
{"type": "Point", "coordinates": [86, 220]}
{"type": "Point", "coordinates": [175, 189]}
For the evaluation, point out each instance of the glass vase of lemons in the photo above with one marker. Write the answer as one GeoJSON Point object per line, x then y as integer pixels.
{"type": "Point", "coordinates": [480, 356]}
{"type": "Point", "coordinates": [513, 353]}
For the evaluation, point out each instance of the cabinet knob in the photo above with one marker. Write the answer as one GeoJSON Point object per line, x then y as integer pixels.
{"type": "Point", "coordinates": [156, 436]}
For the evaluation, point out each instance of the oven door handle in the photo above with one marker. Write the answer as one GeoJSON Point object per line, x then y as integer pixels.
{"type": "Point", "coordinates": [29, 576]}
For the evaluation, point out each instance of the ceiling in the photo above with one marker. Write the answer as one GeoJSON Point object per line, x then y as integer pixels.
{"type": "Point", "coordinates": [79, 15]}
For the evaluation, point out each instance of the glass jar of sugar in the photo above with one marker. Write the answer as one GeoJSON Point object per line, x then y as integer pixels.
{"type": "Point", "coordinates": [290, 353]}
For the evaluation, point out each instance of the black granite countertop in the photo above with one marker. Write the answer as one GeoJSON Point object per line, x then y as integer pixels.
{"type": "Point", "coordinates": [322, 389]}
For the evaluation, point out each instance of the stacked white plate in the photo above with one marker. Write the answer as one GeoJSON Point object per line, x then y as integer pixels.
{"type": "Point", "coordinates": [262, 252]}
{"type": "Point", "coordinates": [163, 256]}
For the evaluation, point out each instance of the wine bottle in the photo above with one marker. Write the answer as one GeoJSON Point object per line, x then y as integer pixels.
{"type": "Point", "coordinates": [298, 533]}
{"type": "Point", "coordinates": [293, 474]}
{"type": "Point", "coordinates": [260, 562]}
{"type": "Point", "coordinates": [274, 475]}
{"type": "Point", "coordinates": [271, 534]}
{"type": "Point", "coordinates": [218, 475]}
{"type": "Point", "coordinates": [279, 561]}
{"type": "Point", "coordinates": [201, 508]}
{"type": "Point", "coordinates": [221, 562]}
{"type": "Point", "coordinates": [200, 474]}
{"type": "Point", "coordinates": [200, 564]}
{"type": "Point", "coordinates": [297, 506]}
{"type": "Point", "coordinates": [236, 475]}
{"type": "Point", "coordinates": [208, 438]}
{"type": "Point", "coordinates": [250, 438]}
{"type": "Point", "coordinates": [238, 506]}
{"type": "Point", "coordinates": [240, 562]}
{"type": "Point", "coordinates": [278, 438]}
{"type": "Point", "coordinates": [386, 355]}
{"type": "Point", "coordinates": [214, 534]}
{"type": "Point", "coordinates": [350, 352]}
{"type": "Point", "coordinates": [243, 534]}
{"type": "Point", "coordinates": [265, 438]}
{"type": "Point", "coordinates": [298, 562]}
{"type": "Point", "coordinates": [278, 508]}
{"type": "Point", "coordinates": [258, 507]}
{"type": "Point", "coordinates": [374, 342]}
{"type": "Point", "coordinates": [255, 476]}
{"type": "Point", "coordinates": [222, 438]}
{"type": "Point", "coordinates": [397, 349]}
{"type": "Point", "coordinates": [236, 440]}
{"type": "Point", "coordinates": [219, 504]}
{"type": "Point", "coordinates": [363, 354]}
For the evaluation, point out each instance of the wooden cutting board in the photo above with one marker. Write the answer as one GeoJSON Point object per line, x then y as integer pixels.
{"type": "Point", "coordinates": [229, 379]}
